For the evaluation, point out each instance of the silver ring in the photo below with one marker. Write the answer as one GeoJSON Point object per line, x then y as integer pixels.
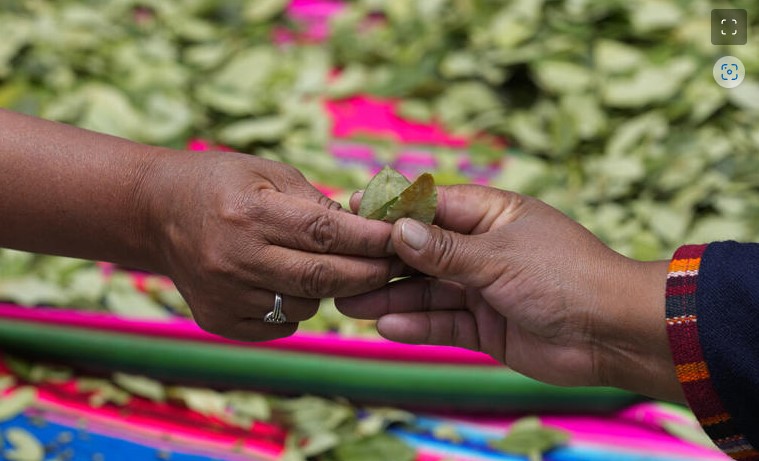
{"type": "Point", "coordinates": [276, 315]}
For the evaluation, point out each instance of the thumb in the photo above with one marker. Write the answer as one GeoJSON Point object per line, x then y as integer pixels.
{"type": "Point", "coordinates": [466, 259]}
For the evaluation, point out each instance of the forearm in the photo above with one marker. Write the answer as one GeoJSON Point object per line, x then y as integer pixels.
{"type": "Point", "coordinates": [73, 192]}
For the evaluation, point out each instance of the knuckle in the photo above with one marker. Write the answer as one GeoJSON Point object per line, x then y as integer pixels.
{"type": "Point", "coordinates": [291, 171]}
{"type": "Point", "coordinates": [323, 232]}
{"type": "Point", "coordinates": [444, 250]}
{"type": "Point", "coordinates": [237, 209]}
{"type": "Point", "coordinates": [328, 203]}
{"type": "Point", "coordinates": [318, 279]}
{"type": "Point", "coordinates": [380, 274]}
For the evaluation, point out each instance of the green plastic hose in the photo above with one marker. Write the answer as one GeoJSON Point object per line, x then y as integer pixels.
{"type": "Point", "coordinates": [413, 385]}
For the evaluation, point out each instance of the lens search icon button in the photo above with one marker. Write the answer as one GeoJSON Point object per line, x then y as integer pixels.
{"type": "Point", "coordinates": [729, 72]}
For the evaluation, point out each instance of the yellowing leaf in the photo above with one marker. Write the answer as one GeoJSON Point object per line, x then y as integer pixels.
{"type": "Point", "coordinates": [390, 197]}
{"type": "Point", "coordinates": [26, 447]}
{"type": "Point", "coordinates": [418, 201]}
{"type": "Point", "coordinates": [13, 404]}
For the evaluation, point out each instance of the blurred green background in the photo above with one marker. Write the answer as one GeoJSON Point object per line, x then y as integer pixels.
{"type": "Point", "coordinates": [609, 106]}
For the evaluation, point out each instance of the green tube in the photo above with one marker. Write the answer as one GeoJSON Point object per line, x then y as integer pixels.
{"type": "Point", "coordinates": [423, 386]}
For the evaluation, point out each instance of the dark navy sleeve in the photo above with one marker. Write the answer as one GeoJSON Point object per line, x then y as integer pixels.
{"type": "Point", "coordinates": [713, 326]}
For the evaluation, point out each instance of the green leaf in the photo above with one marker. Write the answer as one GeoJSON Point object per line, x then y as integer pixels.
{"type": "Point", "coordinates": [746, 96]}
{"type": "Point", "coordinates": [319, 443]}
{"type": "Point", "coordinates": [102, 392]}
{"type": "Point", "coordinates": [264, 10]}
{"type": "Point", "coordinates": [229, 92]}
{"type": "Point", "coordinates": [7, 382]}
{"type": "Point", "coordinates": [377, 420]}
{"type": "Point", "coordinates": [249, 405]}
{"type": "Point", "coordinates": [380, 447]}
{"type": "Point", "coordinates": [32, 291]}
{"type": "Point", "coordinates": [16, 402]}
{"type": "Point", "coordinates": [528, 436]}
{"type": "Point", "coordinates": [563, 76]}
{"type": "Point", "coordinates": [651, 84]}
{"type": "Point", "coordinates": [313, 415]}
{"type": "Point", "coordinates": [141, 386]}
{"type": "Point", "coordinates": [649, 15]}
{"type": "Point", "coordinates": [123, 299]}
{"type": "Point", "coordinates": [418, 201]}
{"type": "Point", "coordinates": [417, 110]}
{"type": "Point", "coordinates": [40, 373]}
{"type": "Point", "coordinates": [204, 401]}
{"type": "Point", "coordinates": [383, 188]}
{"type": "Point", "coordinates": [350, 81]}
{"type": "Point", "coordinates": [255, 130]}
{"type": "Point", "coordinates": [17, 32]}
{"type": "Point", "coordinates": [26, 447]}
{"type": "Point", "coordinates": [614, 57]}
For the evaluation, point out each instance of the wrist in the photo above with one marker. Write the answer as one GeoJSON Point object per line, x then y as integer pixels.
{"type": "Point", "coordinates": [151, 197]}
{"type": "Point", "coordinates": [631, 337]}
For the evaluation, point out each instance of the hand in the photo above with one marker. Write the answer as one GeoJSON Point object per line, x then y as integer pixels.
{"type": "Point", "coordinates": [233, 229]}
{"type": "Point", "coordinates": [229, 229]}
{"type": "Point", "coordinates": [512, 277]}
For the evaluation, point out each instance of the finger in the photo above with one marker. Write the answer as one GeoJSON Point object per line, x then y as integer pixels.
{"type": "Point", "coordinates": [222, 322]}
{"type": "Point", "coordinates": [251, 330]}
{"type": "Point", "coordinates": [311, 275]}
{"type": "Point", "coordinates": [443, 328]}
{"type": "Point", "coordinates": [466, 259]}
{"type": "Point", "coordinates": [467, 209]}
{"type": "Point", "coordinates": [306, 226]}
{"type": "Point", "coordinates": [258, 303]}
{"type": "Point", "coordinates": [411, 295]}
{"type": "Point", "coordinates": [355, 200]}
{"type": "Point", "coordinates": [473, 209]}
{"type": "Point", "coordinates": [291, 181]}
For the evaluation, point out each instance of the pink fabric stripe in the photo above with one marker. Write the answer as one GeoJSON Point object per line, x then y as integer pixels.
{"type": "Point", "coordinates": [614, 431]}
{"type": "Point", "coordinates": [183, 329]}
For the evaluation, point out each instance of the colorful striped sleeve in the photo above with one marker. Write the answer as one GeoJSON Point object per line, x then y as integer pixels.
{"type": "Point", "coordinates": [712, 397]}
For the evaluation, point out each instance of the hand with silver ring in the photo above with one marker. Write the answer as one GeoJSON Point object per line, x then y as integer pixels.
{"type": "Point", "coordinates": [238, 231]}
{"type": "Point", "coordinates": [229, 229]}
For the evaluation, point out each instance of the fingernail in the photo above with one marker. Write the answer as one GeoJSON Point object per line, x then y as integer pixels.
{"type": "Point", "coordinates": [414, 234]}
{"type": "Point", "coordinates": [390, 249]}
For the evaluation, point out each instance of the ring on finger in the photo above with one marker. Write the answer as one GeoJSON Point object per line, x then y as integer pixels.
{"type": "Point", "coordinates": [276, 315]}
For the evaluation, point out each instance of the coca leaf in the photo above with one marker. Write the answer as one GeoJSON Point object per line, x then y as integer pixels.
{"type": "Point", "coordinates": [529, 437]}
{"type": "Point", "coordinates": [418, 201]}
{"type": "Point", "coordinates": [385, 187]}
{"type": "Point", "coordinates": [390, 197]}
{"type": "Point", "coordinates": [18, 401]}
{"type": "Point", "coordinates": [26, 447]}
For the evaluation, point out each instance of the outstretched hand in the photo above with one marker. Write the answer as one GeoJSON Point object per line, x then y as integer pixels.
{"type": "Point", "coordinates": [235, 229]}
{"type": "Point", "coordinates": [512, 277]}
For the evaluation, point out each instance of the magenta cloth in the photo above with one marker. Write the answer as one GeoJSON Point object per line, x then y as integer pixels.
{"type": "Point", "coordinates": [367, 115]}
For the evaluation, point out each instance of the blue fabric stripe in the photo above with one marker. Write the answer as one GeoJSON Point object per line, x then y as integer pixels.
{"type": "Point", "coordinates": [84, 445]}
